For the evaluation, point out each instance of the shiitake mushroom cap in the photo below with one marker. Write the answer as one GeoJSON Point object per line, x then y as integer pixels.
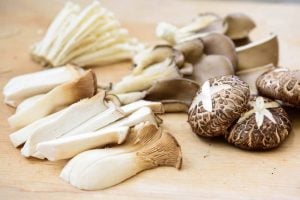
{"type": "Point", "coordinates": [281, 84]}
{"type": "Point", "coordinates": [247, 135]}
{"type": "Point", "coordinates": [227, 106]}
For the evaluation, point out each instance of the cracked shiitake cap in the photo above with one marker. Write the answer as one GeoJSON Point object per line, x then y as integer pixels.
{"type": "Point", "coordinates": [281, 84]}
{"type": "Point", "coordinates": [218, 103]}
{"type": "Point", "coordinates": [263, 126]}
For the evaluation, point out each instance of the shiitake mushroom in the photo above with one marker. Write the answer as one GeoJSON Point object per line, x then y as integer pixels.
{"type": "Point", "coordinates": [218, 103]}
{"type": "Point", "coordinates": [264, 125]}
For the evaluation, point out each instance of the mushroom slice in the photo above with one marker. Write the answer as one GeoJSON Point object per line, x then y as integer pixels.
{"type": "Point", "coordinates": [139, 136]}
{"type": "Point", "coordinates": [156, 54]}
{"type": "Point", "coordinates": [68, 147]}
{"type": "Point", "coordinates": [102, 119]}
{"type": "Point", "coordinates": [219, 44]}
{"type": "Point", "coordinates": [258, 53]}
{"type": "Point", "coordinates": [69, 117]}
{"type": "Point", "coordinates": [62, 95]}
{"type": "Point", "coordinates": [219, 102]}
{"type": "Point", "coordinates": [263, 126]}
{"type": "Point", "coordinates": [211, 66]}
{"type": "Point", "coordinates": [111, 170]}
{"type": "Point", "coordinates": [161, 71]}
{"type": "Point", "coordinates": [131, 97]}
{"type": "Point", "coordinates": [21, 87]}
{"type": "Point", "coordinates": [156, 107]}
{"type": "Point", "coordinates": [281, 84]}
{"type": "Point", "coordinates": [192, 50]}
{"type": "Point", "coordinates": [250, 76]}
{"type": "Point", "coordinates": [201, 25]}
{"type": "Point", "coordinates": [239, 25]}
{"type": "Point", "coordinates": [176, 95]}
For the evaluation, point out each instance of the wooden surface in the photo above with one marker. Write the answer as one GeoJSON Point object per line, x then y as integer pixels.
{"type": "Point", "coordinates": [211, 169]}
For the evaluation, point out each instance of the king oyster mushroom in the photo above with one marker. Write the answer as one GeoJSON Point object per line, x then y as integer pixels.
{"type": "Point", "coordinates": [176, 95]}
{"type": "Point", "coordinates": [258, 53]}
{"type": "Point", "coordinates": [250, 76]}
{"type": "Point", "coordinates": [239, 26]}
{"type": "Point", "coordinates": [219, 44]}
{"type": "Point", "coordinates": [219, 102]}
{"type": "Point", "coordinates": [264, 126]}
{"type": "Point", "coordinates": [281, 84]}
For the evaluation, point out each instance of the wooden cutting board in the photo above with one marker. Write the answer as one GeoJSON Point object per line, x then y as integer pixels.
{"type": "Point", "coordinates": [212, 169]}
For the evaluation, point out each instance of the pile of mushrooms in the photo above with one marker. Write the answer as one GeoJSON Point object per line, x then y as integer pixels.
{"type": "Point", "coordinates": [209, 69]}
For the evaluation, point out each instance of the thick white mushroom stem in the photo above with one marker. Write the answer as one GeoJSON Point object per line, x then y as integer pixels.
{"type": "Point", "coordinates": [156, 107]}
{"type": "Point", "coordinates": [131, 97]}
{"type": "Point", "coordinates": [68, 147]}
{"type": "Point", "coordinates": [161, 71]}
{"type": "Point", "coordinates": [62, 95]}
{"type": "Point", "coordinates": [260, 109]}
{"type": "Point", "coordinates": [89, 36]}
{"type": "Point", "coordinates": [139, 136]}
{"type": "Point", "coordinates": [24, 86]}
{"type": "Point", "coordinates": [111, 170]}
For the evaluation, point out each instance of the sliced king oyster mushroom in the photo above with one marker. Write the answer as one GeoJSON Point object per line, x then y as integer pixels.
{"type": "Point", "coordinates": [281, 84]}
{"type": "Point", "coordinates": [211, 66]}
{"type": "Point", "coordinates": [219, 102]}
{"type": "Point", "coordinates": [239, 25]}
{"type": "Point", "coordinates": [258, 53]}
{"type": "Point", "coordinates": [219, 44]}
{"type": "Point", "coordinates": [264, 126]}
{"type": "Point", "coordinates": [176, 95]}
{"type": "Point", "coordinates": [250, 76]}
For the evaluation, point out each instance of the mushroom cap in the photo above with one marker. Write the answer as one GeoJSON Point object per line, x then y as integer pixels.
{"type": "Point", "coordinates": [239, 25]}
{"type": "Point", "coordinates": [219, 44]}
{"type": "Point", "coordinates": [192, 50]}
{"type": "Point", "coordinates": [247, 135]}
{"type": "Point", "coordinates": [258, 53]}
{"type": "Point", "coordinates": [227, 106]}
{"type": "Point", "coordinates": [211, 66]}
{"type": "Point", "coordinates": [281, 84]}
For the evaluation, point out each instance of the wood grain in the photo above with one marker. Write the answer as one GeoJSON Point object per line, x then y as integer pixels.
{"type": "Point", "coordinates": [211, 169]}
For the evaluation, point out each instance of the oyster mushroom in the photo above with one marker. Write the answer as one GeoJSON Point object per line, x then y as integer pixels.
{"type": "Point", "coordinates": [219, 44]}
{"type": "Point", "coordinates": [263, 126]}
{"type": "Point", "coordinates": [281, 84]}
{"type": "Point", "coordinates": [201, 25]}
{"type": "Point", "coordinates": [62, 95]}
{"type": "Point", "coordinates": [258, 53]}
{"type": "Point", "coordinates": [218, 103]}
{"type": "Point", "coordinates": [154, 55]}
{"type": "Point", "coordinates": [211, 66]}
{"type": "Point", "coordinates": [192, 50]}
{"type": "Point", "coordinates": [250, 76]}
{"type": "Point", "coordinates": [239, 26]}
{"type": "Point", "coordinates": [176, 95]}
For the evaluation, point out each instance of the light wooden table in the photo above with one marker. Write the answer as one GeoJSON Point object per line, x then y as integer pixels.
{"type": "Point", "coordinates": [211, 169]}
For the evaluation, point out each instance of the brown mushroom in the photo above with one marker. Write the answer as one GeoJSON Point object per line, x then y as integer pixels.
{"type": "Point", "coordinates": [281, 84]}
{"type": "Point", "coordinates": [219, 102]}
{"type": "Point", "coordinates": [250, 76]}
{"type": "Point", "coordinates": [176, 95]}
{"type": "Point", "coordinates": [211, 66]}
{"type": "Point", "coordinates": [192, 50]}
{"type": "Point", "coordinates": [239, 25]}
{"type": "Point", "coordinates": [258, 53]}
{"type": "Point", "coordinates": [264, 126]}
{"type": "Point", "coordinates": [219, 44]}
